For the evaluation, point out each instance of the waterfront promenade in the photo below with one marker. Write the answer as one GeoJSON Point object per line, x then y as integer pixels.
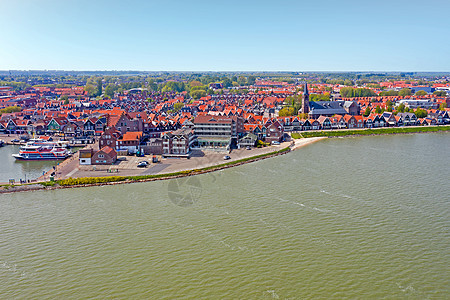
{"type": "Point", "coordinates": [127, 165]}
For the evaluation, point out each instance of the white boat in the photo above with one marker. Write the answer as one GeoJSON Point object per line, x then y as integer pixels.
{"type": "Point", "coordinates": [46, 152]}
{"type": "Point", "coordinates": [44, 143]}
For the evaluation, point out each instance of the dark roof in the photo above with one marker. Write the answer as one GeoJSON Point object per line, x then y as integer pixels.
{"type": "Point", "coordinates": [327, 107]}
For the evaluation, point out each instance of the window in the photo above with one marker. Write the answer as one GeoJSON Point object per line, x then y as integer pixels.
{"type": "Point", "coordinates": [101, 156]}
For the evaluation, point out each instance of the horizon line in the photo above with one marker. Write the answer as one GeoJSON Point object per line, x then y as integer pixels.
{"type": "Point", "coordinates": [222, 71]}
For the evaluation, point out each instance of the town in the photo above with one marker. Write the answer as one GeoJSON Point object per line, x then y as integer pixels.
{"type": "Point", "coordinates": [171, 114]}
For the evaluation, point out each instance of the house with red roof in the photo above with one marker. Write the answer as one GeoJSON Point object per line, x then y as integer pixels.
{"type": "Point", "coordinates": [105, 156]}
{"type": "Point", "coordinates": [130, 142]}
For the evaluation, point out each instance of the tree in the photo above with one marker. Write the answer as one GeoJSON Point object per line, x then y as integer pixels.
{"type": "Point", "coordinates": [401, 108]}
{"type": "Point", "coordinates": [227, 82]}
{"type": "Point", "coordinates": [405, 92]}
{"type": "Point", "coordinates": [421, 113]}
{"type": "Point", "coordinates": [177, 106]}
{"type": "Point", "coordinates": [348, 92]}
{"type": "Point", "coordinates": [303, 116]}
{"type": "Point", "coordinates": [152, 85]}
{"type": "Point", "coordinates": [421, 93]}
{"type": "Point", "coordinates": [389, 93]}
{"type": "Point", "coordinates": [442, 106]}
{"type": "Point", "coordinates": [251, 80]}
{"type": "Point", "coordinates": [320, 97]}
{"type": "Point", "coordinates": [90, 89]}
{"type": "Point", "coordinates": [241, 81]}
{"type": "Point", "coordinates": [10, 109]}
{"type": "Point", "coordinates": [65, 98]}
{"type": "Point", "coordinates": [195, 83]}
{"type": "Point", "coordinates": [348, 82]}
{"type": "Point", "coordinates": [294, 102]}
{"type": "Point", "coordinates": [99, 87]}
{"type": "Point", "coordinates": [421, 82]}
{"type": "Point", "coordinates": [174, 86]}
{"type": "Point", "coordinates": [367, 111]}
{"type": "Point", "coordinates": [197, 94]}
{"type": "Point", "coordinates": [389, 105]}
{"type": "Point", "coordinates": [194, 90]}
{"type": "Point", "coordinates": [378, 110]}
{"type": "Point", "coordinates": [287, 111]}
{"type": "Point", "coordinates": [109, 90]}
{"type": "Point", "coordinates": [440, 93]}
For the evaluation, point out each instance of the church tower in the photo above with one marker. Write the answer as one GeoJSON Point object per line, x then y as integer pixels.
{"type": "Point", "coordinates": [305, 100]}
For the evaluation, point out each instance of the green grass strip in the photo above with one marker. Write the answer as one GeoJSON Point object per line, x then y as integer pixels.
{"type": "Point", "coordinates": [96, 180]}
{"type": "Point", "coordinates": [375, 131]}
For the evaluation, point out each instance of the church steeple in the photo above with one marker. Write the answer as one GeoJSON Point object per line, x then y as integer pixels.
{"type": "Point", "coordinates": [305, 100]}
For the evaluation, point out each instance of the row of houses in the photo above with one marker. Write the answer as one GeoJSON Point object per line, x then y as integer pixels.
{"type": "Point", "coordinates": [386, 119]}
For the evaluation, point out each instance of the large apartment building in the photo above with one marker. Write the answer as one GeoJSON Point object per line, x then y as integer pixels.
{"type": "Point", "coordinates": [218, 131]}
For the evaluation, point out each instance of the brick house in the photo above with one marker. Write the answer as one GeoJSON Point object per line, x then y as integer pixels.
{"type": "Point", "coordinates": [274, 132]}
{"type": "Point", "coordinates": [109, 138]}
{"type": "Point", "coordinates": [105, 156]}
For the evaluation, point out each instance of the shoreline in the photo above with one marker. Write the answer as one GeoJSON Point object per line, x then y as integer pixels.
{"type": "Point", "coordinates": [372, 131]}
{"type": "Point", "coordinates": [295, 144]}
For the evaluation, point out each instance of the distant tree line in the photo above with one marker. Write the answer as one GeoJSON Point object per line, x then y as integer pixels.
{"type": "Point", "coordinates": [348, 92]}
{"type": "Point", "coordinates": [10, 109]}
{"type": "Point", "coordinates": [320, 97]}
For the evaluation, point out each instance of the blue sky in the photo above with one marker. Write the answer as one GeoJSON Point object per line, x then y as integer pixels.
{"type": "Point", "coordinates": [280, 35]}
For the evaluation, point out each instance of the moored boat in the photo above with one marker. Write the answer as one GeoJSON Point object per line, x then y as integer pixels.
{"type": "Point", "coordinates": [31, 152]}
{"type": "Point", "coordinates": [42, 142]}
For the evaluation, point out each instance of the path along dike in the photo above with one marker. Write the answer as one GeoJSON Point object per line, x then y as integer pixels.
{"type": "Point", "coordinates": [210, 165]}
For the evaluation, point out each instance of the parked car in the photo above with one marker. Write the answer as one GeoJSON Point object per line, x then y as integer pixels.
{"type": "Point", "coordinates": [15, 141]}
{"type": "Point", "coordinates": [226, 157]}
{"type": "Point", "coordinates": [142, 164]}
{"type": "Point", "coordinates": [275, 143]}
{"type": "Point", "coordinates": [248, 148]}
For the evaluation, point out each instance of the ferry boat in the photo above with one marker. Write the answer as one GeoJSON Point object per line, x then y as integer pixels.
{"type": "Point", "coordinates": [42, 142]}
{"type": "Point", "coordinates": [31, 152]}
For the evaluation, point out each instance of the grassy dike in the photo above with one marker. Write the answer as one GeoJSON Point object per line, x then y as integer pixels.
{"type": "Point", "coordinates": [87, 181]}
{"type": "Point", "coordinates": [369, 131]}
